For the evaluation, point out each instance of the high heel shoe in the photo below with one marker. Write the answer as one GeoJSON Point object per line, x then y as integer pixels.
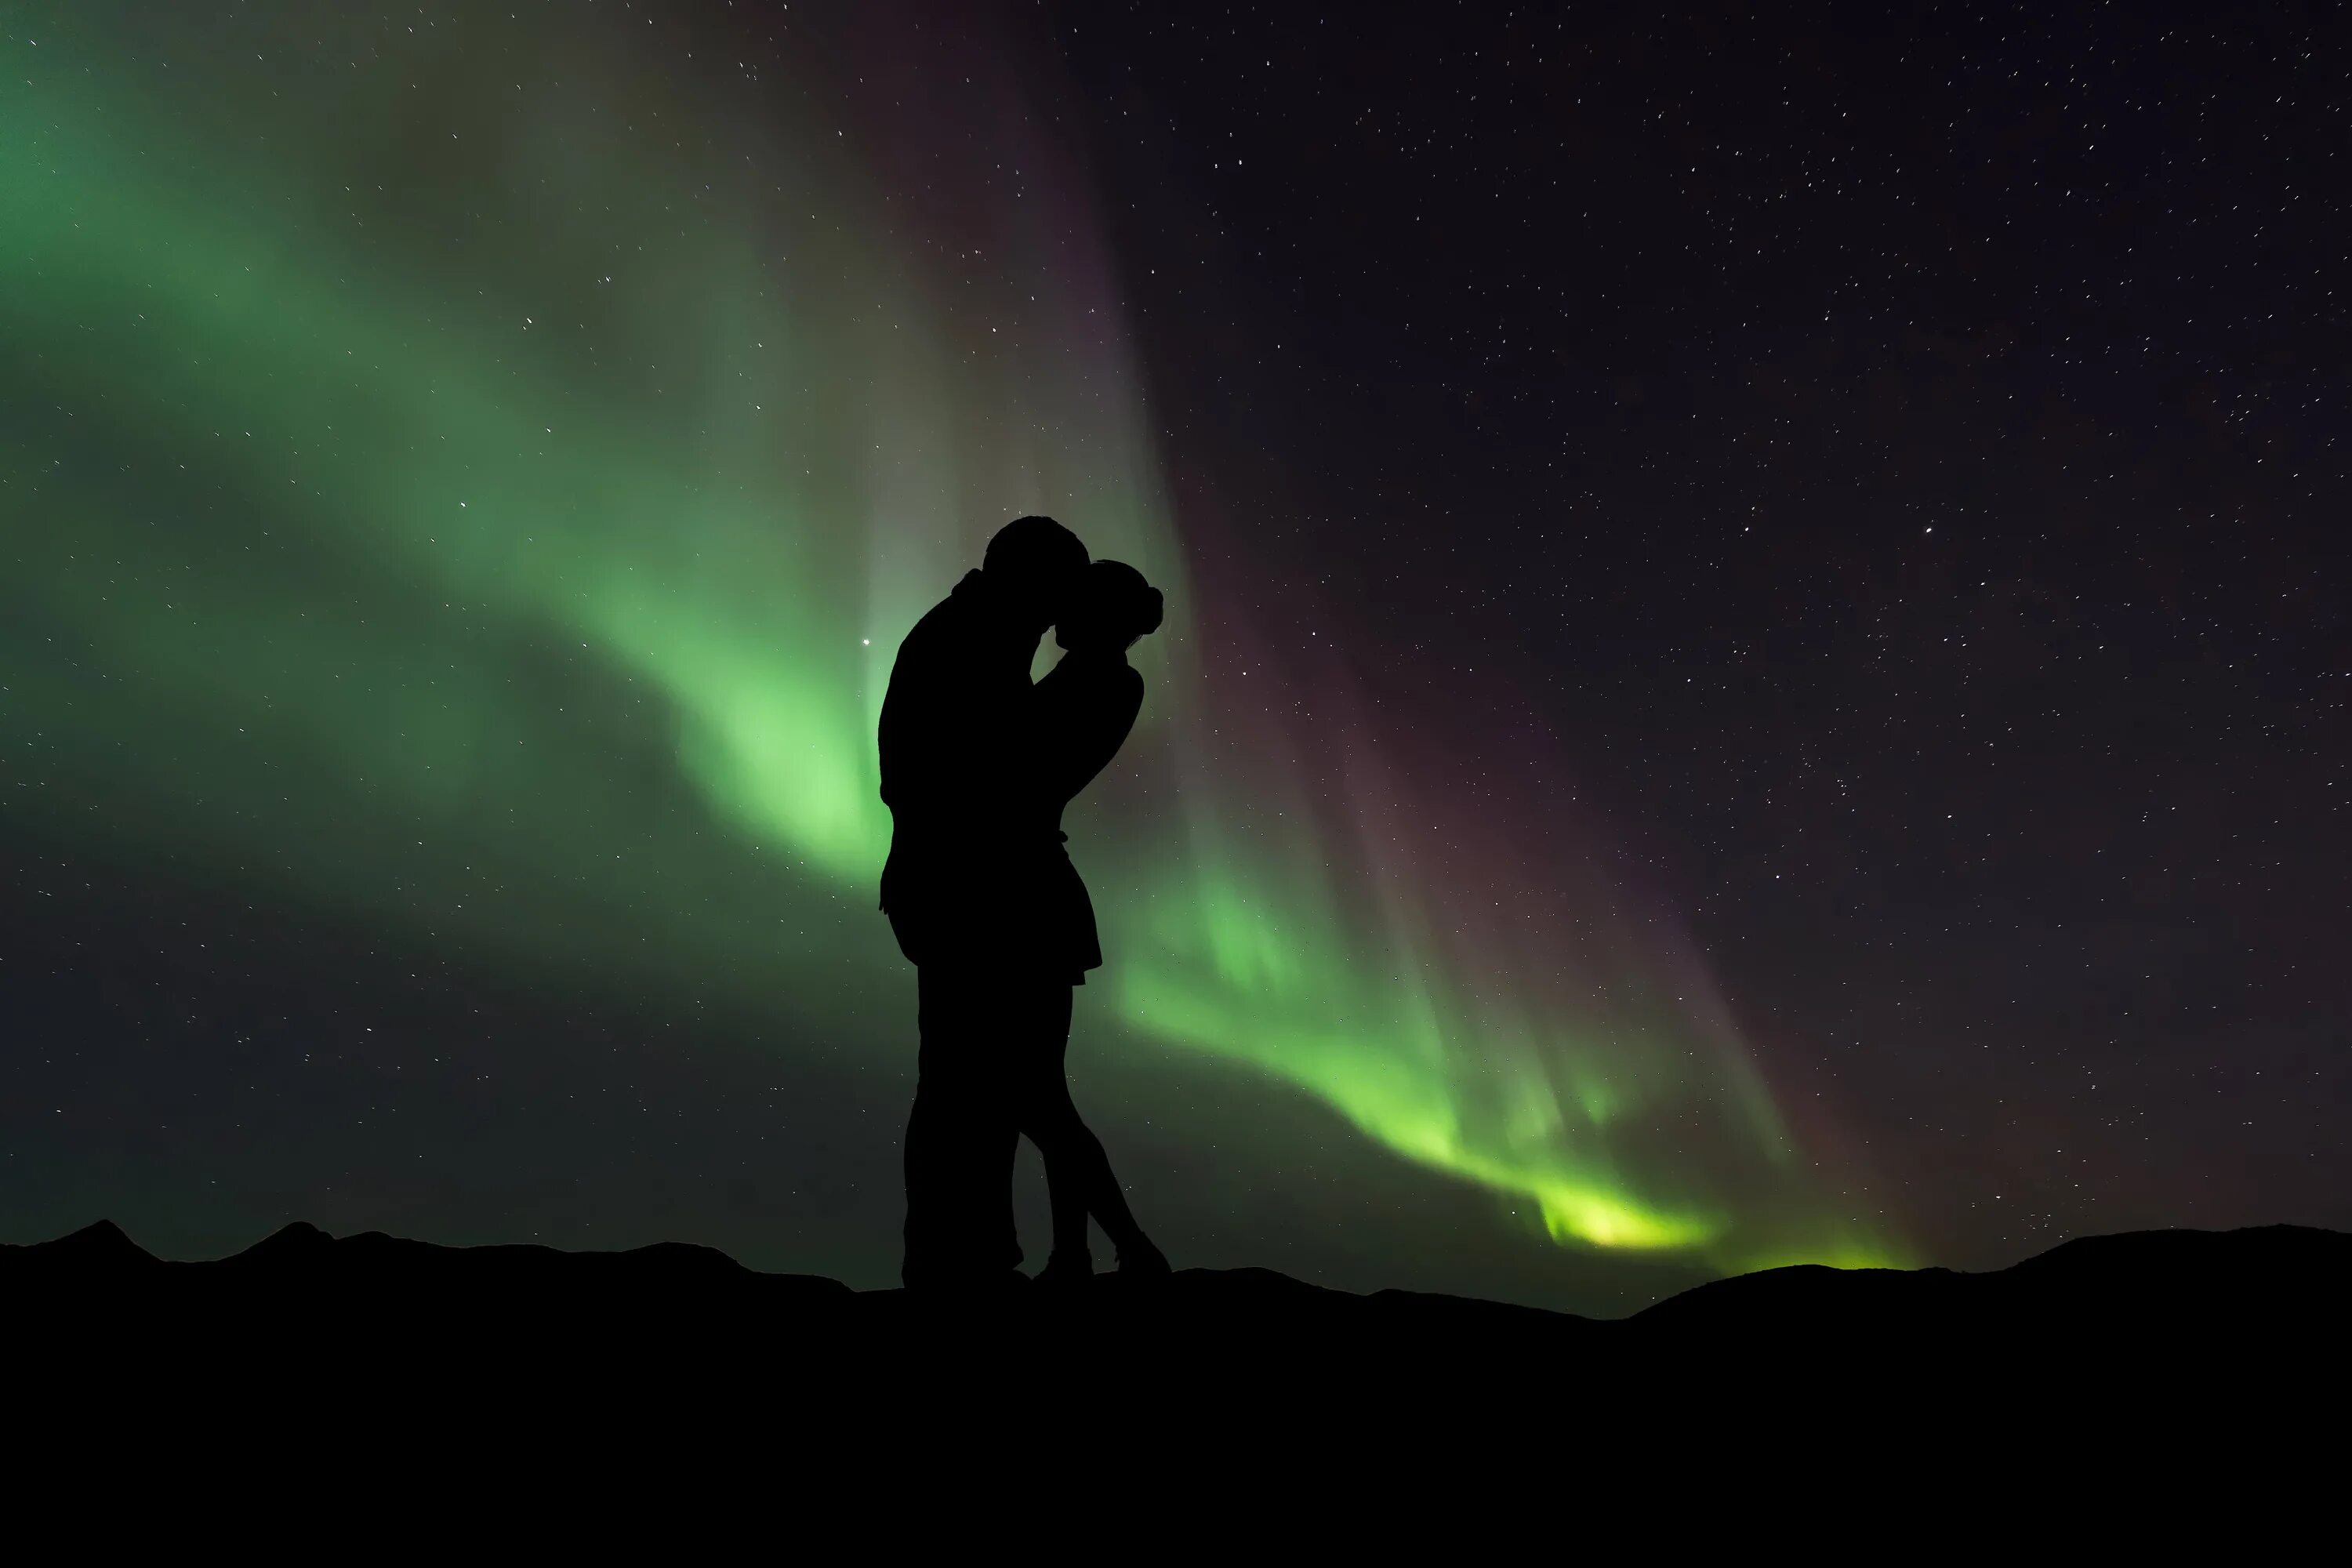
{"type": "Point", "coordinates": [1142, 1259]}
{"type": "Point", "coordinates": [1067, 1269]}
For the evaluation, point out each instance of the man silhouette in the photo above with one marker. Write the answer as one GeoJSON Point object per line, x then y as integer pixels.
{"type": "Point", "coordinates": [965, 888]}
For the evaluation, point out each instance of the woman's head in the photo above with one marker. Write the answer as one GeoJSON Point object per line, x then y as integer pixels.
{"type": "Point", "coordinates": [1113, 606]}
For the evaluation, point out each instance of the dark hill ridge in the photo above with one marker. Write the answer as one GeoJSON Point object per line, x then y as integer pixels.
{"type": "Point", "coordinates": [2275, 1280]}
{"type": "Point", "coordinates": [352, 1382]}
{"type": "Point", "coordinates": [2186, 1340]}
{"type": "Point", "coordinates": [2175, 1278]}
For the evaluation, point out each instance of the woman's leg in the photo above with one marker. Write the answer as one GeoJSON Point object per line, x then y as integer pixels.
{"type": "Point", "coordinates": [1078, 1179]}
{"type": "Point", "coordinates": [1042, 1123]}
{"type": "Point", "coordinates": [1068, 1185]}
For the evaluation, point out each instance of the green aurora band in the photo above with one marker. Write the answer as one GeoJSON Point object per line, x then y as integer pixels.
{"type": "Point", "coordinates": [423, 459]}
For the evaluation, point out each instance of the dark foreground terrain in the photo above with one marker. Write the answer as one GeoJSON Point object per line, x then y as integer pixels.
{"type": "Point", "coordinates": [2124, 1379]}
{"type": "Point", "coordinates": [2215, 1300]}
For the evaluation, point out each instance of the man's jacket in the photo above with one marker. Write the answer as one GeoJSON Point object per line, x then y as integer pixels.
{"type": "Point", "coordinates": [977, 874]}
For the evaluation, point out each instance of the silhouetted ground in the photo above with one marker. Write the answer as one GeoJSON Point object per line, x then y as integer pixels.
{"type": "Point", "coordinates": [2083, 1300]}
{"type": "Point", "coordinates": [2128, 1372]}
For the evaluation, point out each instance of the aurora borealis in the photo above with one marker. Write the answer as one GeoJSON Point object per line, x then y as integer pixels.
{"type": "Point", "coordinates": [469, 474]}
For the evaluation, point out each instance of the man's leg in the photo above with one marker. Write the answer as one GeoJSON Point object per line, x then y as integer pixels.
{"type": "Point", "coordinates": [960, 1135]}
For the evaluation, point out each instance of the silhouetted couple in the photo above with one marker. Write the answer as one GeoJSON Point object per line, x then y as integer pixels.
{"type": "Point", "coordinates": [977, 764]}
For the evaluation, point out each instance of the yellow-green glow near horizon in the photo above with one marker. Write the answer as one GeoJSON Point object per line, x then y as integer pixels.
{"type": "Point", "coordinates": [485, 487]}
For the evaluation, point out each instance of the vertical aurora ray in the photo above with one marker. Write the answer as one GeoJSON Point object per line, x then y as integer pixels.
{"type": "Point", "coordinates": [480, 474]}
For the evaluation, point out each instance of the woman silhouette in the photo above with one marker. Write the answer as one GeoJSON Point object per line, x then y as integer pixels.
{"type": "Point", "coordinates": [1086, 706]}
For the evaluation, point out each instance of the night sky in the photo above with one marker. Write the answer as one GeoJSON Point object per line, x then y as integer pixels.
{"type": "Point", "coordinates": [1757, 667]}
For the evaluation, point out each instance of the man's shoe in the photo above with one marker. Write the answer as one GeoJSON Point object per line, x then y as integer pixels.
{"type": "Point", "coordinates": [963, 1284]}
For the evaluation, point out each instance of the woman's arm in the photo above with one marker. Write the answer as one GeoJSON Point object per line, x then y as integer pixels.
{"type": "Point", "coordinates": [1084, 715]}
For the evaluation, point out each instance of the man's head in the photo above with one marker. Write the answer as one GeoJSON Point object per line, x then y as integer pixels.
{"type": "Point", "coordinates": [1037, 566]}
